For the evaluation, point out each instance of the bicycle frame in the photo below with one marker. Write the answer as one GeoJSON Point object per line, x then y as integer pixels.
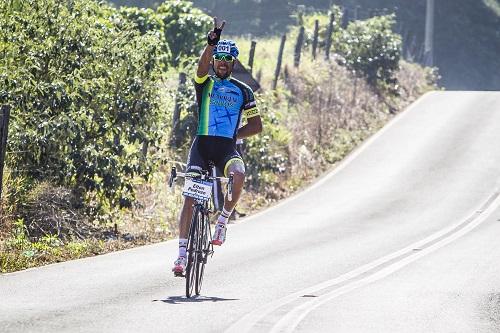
{"type": "Point", "coordinates": [203, 207]}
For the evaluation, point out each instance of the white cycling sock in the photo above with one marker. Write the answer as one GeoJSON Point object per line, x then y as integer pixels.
{"type": "Point", "coordinates": [182, 247]}
{"type": "Point", "coordinates": [224, 216]}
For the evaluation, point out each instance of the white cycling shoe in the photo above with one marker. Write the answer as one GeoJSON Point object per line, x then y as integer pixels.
{"type": "Point", "coordinates": [219, 234]}
{"type": "Point", "coordinates": [180, 266]}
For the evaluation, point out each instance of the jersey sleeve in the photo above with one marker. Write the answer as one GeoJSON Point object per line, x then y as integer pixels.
{"type": "Point", "coordinates": [249, 104]}
{"type": "Point", "coordinates": [200, 80]}
{"type": "Point", "coordinates": [199, 84]}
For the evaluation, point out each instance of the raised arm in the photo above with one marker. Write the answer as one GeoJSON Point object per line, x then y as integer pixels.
{"type": "Point", "coordinates": [213, 38]}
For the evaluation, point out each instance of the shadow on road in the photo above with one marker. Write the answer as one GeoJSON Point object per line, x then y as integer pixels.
{"type": "Point", "coordinates": [194, 299]}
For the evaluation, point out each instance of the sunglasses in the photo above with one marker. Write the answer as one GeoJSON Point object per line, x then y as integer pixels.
{"type": "Point", "coordinates": [224, 57]}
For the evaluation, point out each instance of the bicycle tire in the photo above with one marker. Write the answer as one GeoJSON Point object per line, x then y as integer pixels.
{"type": "Point", "coordinates": [192, 263]}
{"type": "Point", "coordinates": [203, 247]}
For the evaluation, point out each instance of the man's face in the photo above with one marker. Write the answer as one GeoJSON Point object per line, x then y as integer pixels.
{"type": "Point", "coordinates": [223, 67]}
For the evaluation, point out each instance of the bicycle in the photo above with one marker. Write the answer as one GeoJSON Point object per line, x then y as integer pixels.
{"type": "Point", "coordinates": [199, 246]}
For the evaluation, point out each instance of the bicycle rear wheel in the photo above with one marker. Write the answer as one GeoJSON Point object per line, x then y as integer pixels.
{"type": "Point", "coordinates": [204, 248]}
{"type": "Point", "coordinates": [191, 268]}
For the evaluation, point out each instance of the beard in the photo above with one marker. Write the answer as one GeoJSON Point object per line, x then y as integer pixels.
{"type": "Point", "coordinates": [224, 76]}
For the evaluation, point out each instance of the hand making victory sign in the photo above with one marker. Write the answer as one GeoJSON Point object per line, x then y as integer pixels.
{"type": "Point", "coordinates": [213, 38]}
{"type": "Point", "coordinates": [214, 35]}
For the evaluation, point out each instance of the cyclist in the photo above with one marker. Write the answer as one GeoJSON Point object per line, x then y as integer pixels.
{"type": "Point", "coordinates": [222, 101]}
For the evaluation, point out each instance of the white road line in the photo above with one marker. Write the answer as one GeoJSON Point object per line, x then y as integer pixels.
{"type": "Point", "coordinates": [291, 319]}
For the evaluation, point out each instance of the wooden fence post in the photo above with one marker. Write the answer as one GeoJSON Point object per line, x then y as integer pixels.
{"type": "Point", "coordinates": [298, 46]}
{"type": "Point", "coordinates": [4, 125]}
{"type": "Point", "coordinates": [177, 109]}
{"type": "Point", "coordinates": [329, 36]}
{"type": "Point", "coordinates": [315, 39]}
{"type": "Point", "coordinates": [345, 18]}
{"type": "Point", "coordinates": [251, 56]}
{"type": "Point", "coordinates": [280, 59]}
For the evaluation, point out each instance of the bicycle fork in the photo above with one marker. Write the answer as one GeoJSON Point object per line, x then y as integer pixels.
{"type": "Point", "coordinates": [208, 248]}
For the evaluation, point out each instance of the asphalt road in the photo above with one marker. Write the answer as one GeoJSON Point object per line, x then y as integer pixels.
{"type": "Point", "coordinates": [401, 237]}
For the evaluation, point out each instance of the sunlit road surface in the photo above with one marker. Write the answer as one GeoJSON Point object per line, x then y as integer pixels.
{"type": "Point", "coordinates": [403, 236]}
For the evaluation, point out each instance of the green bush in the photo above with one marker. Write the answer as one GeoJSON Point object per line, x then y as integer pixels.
{"type": "Point", "coordinates": [267, 154]}
{"type": "Point", "coordinates": [371, 48]}
{"type": "Point", "coordinates": [147, 21]}
{"type": "Point", "coordinates": [185, 28]}
{"type": "Point", "coordinates": [368, 47]}
{"type": "Point", "coordinates": [83, 84]}
{"type": "Point", "coordinates": [324, 21]}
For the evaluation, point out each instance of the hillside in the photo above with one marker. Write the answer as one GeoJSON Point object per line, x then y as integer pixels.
{"type": "Point", "coordinates": [91, 137]}
{"type": "Point", "coordinates": [467, 32]}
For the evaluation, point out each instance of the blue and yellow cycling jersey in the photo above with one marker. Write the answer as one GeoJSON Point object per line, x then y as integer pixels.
{"type": "Point", "coordinates": [221, 104]}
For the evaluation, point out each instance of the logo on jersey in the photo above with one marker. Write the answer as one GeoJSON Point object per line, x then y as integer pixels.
{"type": "Point", "coordinates": [227, 91]}
{"type": "Point", "coordinates": [223, 100]}
{"type": "Point", "coordinates": [250, 105]}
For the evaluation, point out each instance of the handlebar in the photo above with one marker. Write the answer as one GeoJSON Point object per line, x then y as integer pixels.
{"type": "Point", "coordinates": [204, 176]}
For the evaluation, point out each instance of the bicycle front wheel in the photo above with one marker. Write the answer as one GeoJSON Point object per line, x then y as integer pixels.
{"type": "Point", "coordinates": [192, 251]}
{"type": "Point", "coordinates": [204, 248]}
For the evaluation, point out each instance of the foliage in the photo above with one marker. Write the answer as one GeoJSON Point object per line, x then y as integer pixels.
{"type": "Point", "coordinates": [267, 153]}
{"type": "Point", "coordinates": [83, 83]}
{"type": "Point", "coordinates": [144, 19]}
{"type": "Point", "coordinates": [147, 21]}
{"type": "Point", "coordinates": [18, 252]}
{"type": "Point", "coordinates": [368, 47]}
{"type": "Point", "coordinates": [185, 28]}
{"type": "Point", "coordinates": [185, 98]}
{"type": "Point", "coordinates": [14, 193]}
{"type": "Point", "coordinates": [371, 47]}
{"type": "Point", "coordinates": [323, 25]}
{"type": "Point", "coordinates": [136, 3]}
{"type": "Point", "coordinates": [179, 25]}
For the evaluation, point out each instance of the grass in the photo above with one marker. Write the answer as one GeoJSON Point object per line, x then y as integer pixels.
{"type": "Point", "coordinates": [18, 252]}
{"type": "Point", "coordinates": [266, 57]}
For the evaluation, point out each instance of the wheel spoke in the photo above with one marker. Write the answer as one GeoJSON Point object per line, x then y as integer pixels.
{"type": "Point", "coordinates": [191, 269]}
{"type": "Point", "coordinates": [201, 250]}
